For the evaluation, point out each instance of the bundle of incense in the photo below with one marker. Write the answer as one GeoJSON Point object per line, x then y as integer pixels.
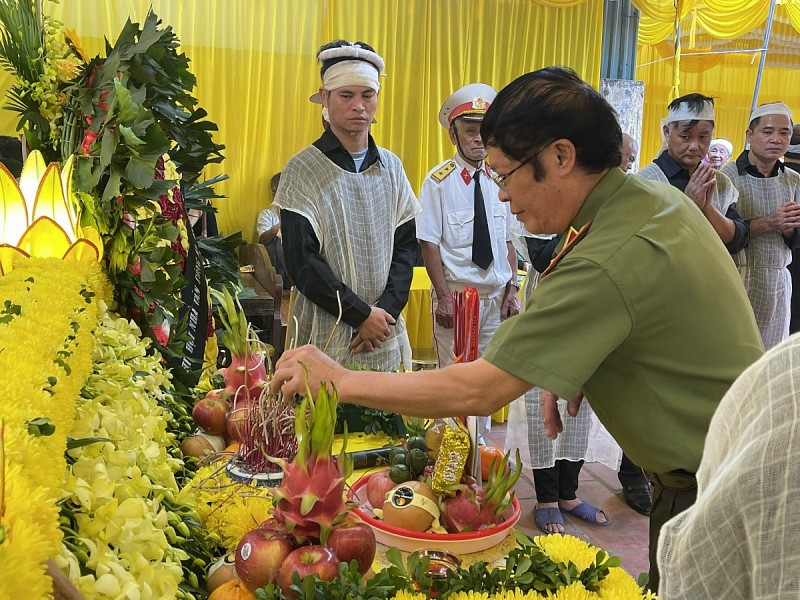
{"type": "Point", "coordinates": [466, 315]}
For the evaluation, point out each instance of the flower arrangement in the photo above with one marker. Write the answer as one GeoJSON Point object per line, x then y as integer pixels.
{"type": "Point", "coordinates": [558, 567]}
{"type": "Point", "coordinates": [142, 144]}
{"type": "Point", "coordinates": [227, 508]}
{"type": "Point", "coordinates": [127, 526]}
{"type": "Point", "coordinates": [54, 311]}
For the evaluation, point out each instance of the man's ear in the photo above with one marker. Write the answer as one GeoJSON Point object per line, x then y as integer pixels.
{"type": "Point", "coordinates": [453, 133]}
{"type": "Point", "coordinates": [666, 131]}
{"type": "Point", "coordinates": [566, 155]}
{"type": "Point", "coordinates": [323, 95]}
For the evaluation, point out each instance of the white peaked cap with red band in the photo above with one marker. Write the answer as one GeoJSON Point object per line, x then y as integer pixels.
{"type": "Point", "coordinates": [469, 102]}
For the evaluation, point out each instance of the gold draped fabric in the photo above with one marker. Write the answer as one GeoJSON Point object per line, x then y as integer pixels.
{"type": "Point", "coordinates": [256, 67]}
{"type": "Point", "coordinates": [724, 19]}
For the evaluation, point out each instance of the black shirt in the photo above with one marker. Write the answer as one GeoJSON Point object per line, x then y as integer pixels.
{"type": "Point", "coordinates": [312, 275]}
{"type": "Point", "coordinates": [679, 177]}
{"type": "Point", "coordinates": [743, 165]}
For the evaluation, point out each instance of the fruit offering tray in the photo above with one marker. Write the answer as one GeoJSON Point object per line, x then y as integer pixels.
{"type": "Point", "coordinates": [461, 544]}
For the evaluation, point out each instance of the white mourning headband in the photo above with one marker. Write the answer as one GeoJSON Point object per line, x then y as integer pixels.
{"type": "Point", "coordinates": [683, 113]}
{"type": "Point", "coordinates": [354, 52]}
{"type": "Point", "coordinates": [722, 142]}
{"type": "Point", "coordinates": [351, 72]}
{"type": "Point", "coordinates": [772, 108]}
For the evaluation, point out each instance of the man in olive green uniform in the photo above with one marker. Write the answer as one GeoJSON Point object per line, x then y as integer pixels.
{"type": "Point", "coordinates": [628, 313]}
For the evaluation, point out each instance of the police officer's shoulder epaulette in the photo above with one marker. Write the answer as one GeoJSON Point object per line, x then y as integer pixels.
{"type": "Point", "coordinates": [439, 174]}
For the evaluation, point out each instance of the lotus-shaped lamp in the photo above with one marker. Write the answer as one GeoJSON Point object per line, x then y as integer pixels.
{"type": "Point", "coordinates": [37, 217]}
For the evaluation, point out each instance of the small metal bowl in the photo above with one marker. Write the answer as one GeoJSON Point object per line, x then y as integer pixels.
{"type": "Point", "coordinates": [440, 562]}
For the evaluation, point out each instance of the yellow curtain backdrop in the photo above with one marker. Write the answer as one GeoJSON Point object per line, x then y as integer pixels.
{"type": "Point", "coordinates": [256, 67]}
{"type": "Point", "coordinates": [725, 19]}
{"type": "Point", "coordinates": [725, 71]}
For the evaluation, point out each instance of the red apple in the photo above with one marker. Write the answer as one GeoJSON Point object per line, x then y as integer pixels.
{"type": "Point", "coordinates": [353, 540]}
{"type": "Point", "coordinates": [259, 556]}
{"type": "Point", "coordinates": [378, 485]}
{"type": "Point", "coordinates": [211, 415]}
{"type": "Point", "coordinates": [305, 561]}
{"type": "Point", "coordinates": [218, 394]}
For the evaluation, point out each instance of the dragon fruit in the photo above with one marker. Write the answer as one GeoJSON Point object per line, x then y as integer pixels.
{"type": "Point", "coordinates": [310, 500]}
{"type": "Point", "coordinates": [246, 376]}
{"type": "Point", "coordinates": [475, 507]}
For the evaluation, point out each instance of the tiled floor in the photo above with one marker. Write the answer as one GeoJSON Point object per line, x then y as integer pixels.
{"type": "Point", "coordinates": [626, 536]}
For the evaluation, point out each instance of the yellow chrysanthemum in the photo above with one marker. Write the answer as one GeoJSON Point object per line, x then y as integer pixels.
{"type": "Point", "coordinates": [567, 548]}
{"type": "Point", "coordinates": [618, 585]}
{"type": "Point", "coordinates": [228, 508]}
{"type": "Point", "coordinates": [574, 591]}
{"type": "Point", "coordinates": [469, 596]}
{"type": "Point", "coordinates": [46, 334]}
{"type": "Point", "coordinates": [404, 595]}
{"type": "Point", "coordinates": [517, 594]}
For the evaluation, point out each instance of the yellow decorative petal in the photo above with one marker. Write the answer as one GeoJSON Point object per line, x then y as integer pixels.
{"type": "Point", "coordinates": [44, 239]}
{"type": "Point", "coordinates": [83, 251]}
{"type": "Point", "coordinates": [66, 184]}
{"type": "Point", "coordinates": [50, 201]}
{"type": "Point", "coordinates": [32, 172]}
{"type": "Point", "coordinates": [14, 216]}
{"type": "Point", "coordinates": [90, 234]}
{"type": "Point", "coordinates": [9, 254]}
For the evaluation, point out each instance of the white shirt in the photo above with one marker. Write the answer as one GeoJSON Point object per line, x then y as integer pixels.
{"type": "Point", "coordinates": [267, 219]}
{"type": "Point", "coordinates": [447, 217]}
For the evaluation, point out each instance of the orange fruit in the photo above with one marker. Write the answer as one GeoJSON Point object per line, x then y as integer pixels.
{"type": "Point", "coordinates": [232, 590]}
{"type": "Point", "coordinates": [233, 448]}
{"type": "Point", "coordinates": [488, 454]}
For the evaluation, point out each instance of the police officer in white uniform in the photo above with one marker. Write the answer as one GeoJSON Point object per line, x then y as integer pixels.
{"type": "Point", "coordinates": [463, 228]}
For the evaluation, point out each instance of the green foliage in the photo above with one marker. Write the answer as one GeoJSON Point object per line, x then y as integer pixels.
{"type": "Point", "coordinates": [527, 568]}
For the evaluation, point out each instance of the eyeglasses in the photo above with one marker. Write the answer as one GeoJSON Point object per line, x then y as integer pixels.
{"type": "Point", "coordinates": [501, 180]}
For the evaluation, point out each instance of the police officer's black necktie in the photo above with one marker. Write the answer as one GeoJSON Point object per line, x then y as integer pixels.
{"type": "Point", "coordinates": [481, 242]}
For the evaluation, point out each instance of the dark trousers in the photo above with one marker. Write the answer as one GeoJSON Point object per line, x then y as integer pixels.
{"type": "Point", "coordinates": [630, 473]}
{"type": "Point", "coordinates": [558, 481]}
{"type": "Point", "coordinates": [673, 493]}
{"type": "Point", "coordinates": [794, 270]}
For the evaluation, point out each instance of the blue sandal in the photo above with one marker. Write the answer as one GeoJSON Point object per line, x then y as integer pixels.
{"type": "Point", "coordinates": [588, 513]}
{"type": "Point", "coordinates": [547, 515]}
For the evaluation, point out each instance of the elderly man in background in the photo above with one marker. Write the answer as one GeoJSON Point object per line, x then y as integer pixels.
{"type": "Point", "coordinates": [688, 129]}
{"type": "Point", "coordinates": [347, 217]}
{"type": "Point", "coordinates": [463, 227]}
{"type": "Point", "coordinates": [768, 198]}
{"type": "Point", "coordinates": [630, 149]}
{"type": "Point", "coordinates": [719, 152]}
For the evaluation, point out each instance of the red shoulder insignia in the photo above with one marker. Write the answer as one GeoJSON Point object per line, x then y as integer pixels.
{"type": "Point", "coordinates": [573, 237]}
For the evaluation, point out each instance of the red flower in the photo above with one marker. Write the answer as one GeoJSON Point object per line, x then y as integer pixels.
{"type": "Point", "coordinates": [88, 140]}
{"type": "Point", "coordinates": [136, 268]}
{"type": "Point", "coordinates": [210, 326]}
{"type": "Point", "coordinates": [162, 333]}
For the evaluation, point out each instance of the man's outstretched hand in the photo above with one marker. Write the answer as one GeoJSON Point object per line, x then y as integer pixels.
{"type": "Point", "coordinates": [290, 374]}
{"type": "Point", "coordinates": [552, 418]}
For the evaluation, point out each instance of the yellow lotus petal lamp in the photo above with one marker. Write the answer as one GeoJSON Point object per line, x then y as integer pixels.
{"type": "Point", "coordinates": [37, 217]}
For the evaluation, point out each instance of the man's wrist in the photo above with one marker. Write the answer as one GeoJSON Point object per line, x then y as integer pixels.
{"type": "Point", "coordinates": [512, 283]}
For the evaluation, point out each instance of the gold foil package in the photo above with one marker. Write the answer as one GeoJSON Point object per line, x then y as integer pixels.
{"type": "Point", "coordinates": [452, 458]}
